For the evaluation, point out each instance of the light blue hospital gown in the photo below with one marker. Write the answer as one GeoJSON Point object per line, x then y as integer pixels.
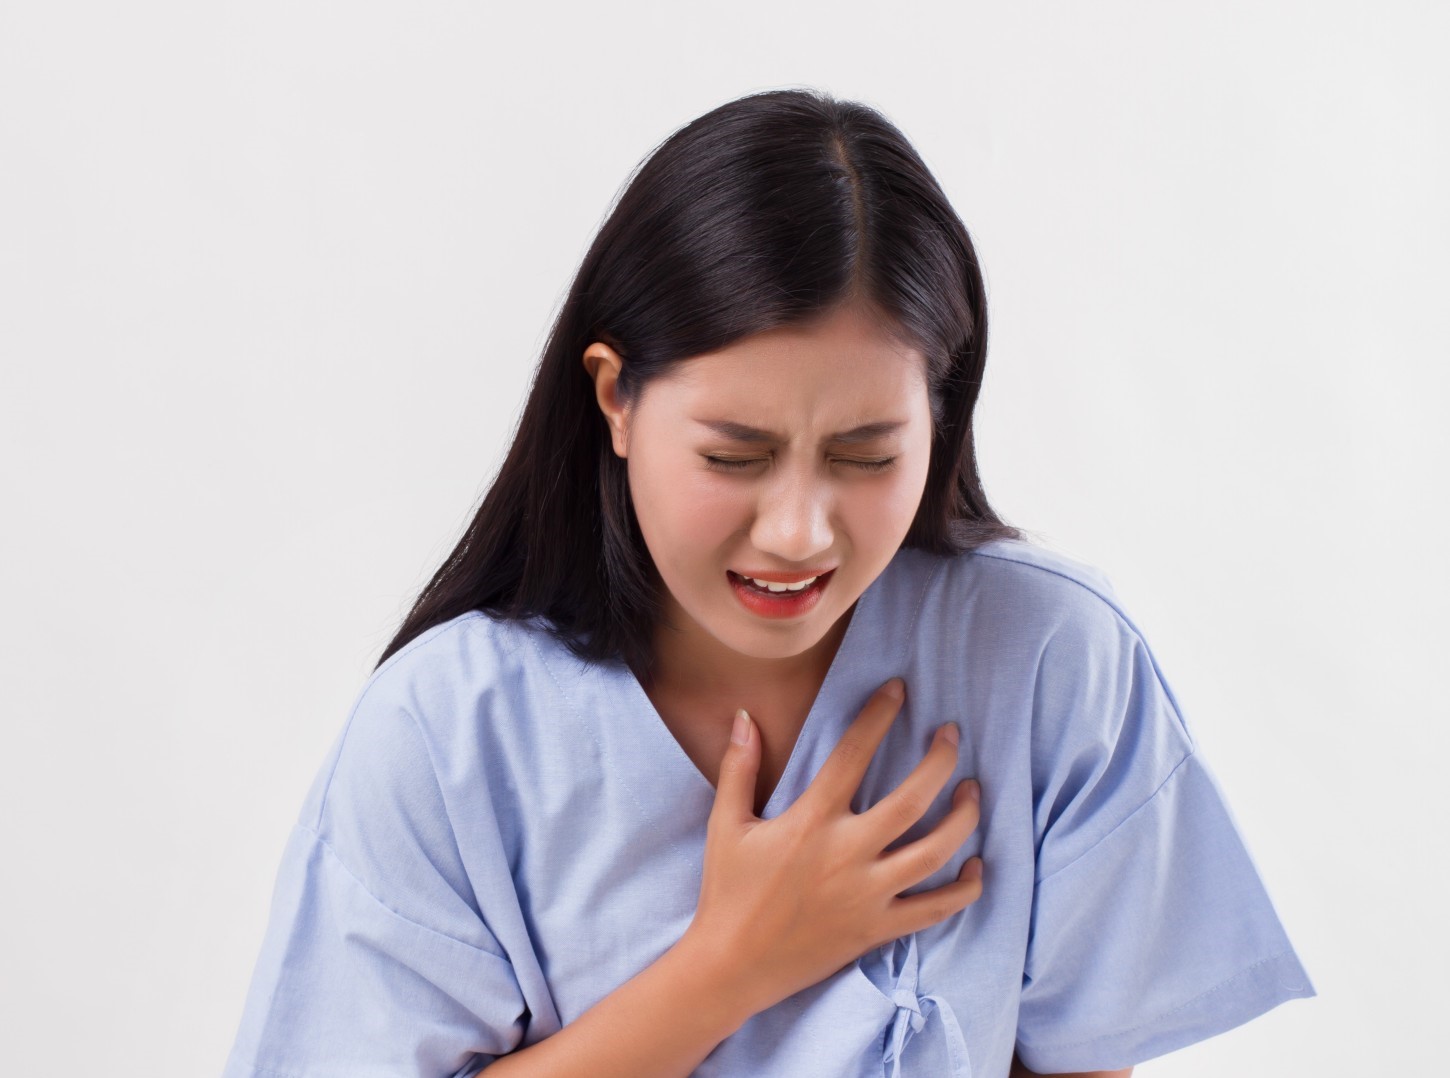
{"type": "Point", "coordinates": [502, 835]}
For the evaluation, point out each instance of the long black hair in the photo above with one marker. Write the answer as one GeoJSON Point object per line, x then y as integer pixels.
{"type": "Point", "coordinates": [769, 210]}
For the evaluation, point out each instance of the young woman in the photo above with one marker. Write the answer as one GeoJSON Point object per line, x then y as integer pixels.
{"type": "Point", "coordinates": [738, 735]}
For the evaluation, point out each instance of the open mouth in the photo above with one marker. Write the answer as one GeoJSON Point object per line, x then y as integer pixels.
{"type": "Point", "coordinates": [781, 600]}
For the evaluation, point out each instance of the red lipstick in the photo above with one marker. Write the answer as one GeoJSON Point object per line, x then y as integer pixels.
{"type": "Point", "coordinates": [783, 604]}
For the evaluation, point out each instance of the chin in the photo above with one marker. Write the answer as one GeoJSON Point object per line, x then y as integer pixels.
{"type": "Point", "coordinates": [764, 639]}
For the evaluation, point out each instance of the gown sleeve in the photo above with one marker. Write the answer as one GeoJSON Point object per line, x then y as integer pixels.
{"type": "Point", "coordinates": [376, 959]}
{"type": "Point", "coordinates": [1151, 928]}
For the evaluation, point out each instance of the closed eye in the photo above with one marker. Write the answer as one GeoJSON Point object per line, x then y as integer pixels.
{"type": "Point", "coordinates": [725, 465]}
{"type": "Point", "coordinates": [721, 464]}
{"type": "Point", "coordinates": [873, 465]}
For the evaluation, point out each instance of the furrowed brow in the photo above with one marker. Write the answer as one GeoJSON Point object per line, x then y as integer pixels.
{"type": "Point", "coordinates": [740, 432]}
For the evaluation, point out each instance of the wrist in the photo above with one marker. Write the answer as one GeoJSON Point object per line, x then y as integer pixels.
{"type": "Point", "coordinates": [717, 979]}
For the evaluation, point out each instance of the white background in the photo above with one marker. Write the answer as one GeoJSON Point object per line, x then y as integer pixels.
{"type": "Point", "coordinates": [273, 279]}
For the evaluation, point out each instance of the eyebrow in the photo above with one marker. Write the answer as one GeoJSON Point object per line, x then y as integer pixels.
{"type": "Point", "coordinates": [739, 432]}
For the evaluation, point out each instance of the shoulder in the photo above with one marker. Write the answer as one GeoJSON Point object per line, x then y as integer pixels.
{"type": "Point", "coordinates": [1023, 593]}
{"type": "Point", "coordinates": [420, 711]}
{"type": "Point", "coordinates": [451, 665]}
{"type": "Point", "coordinates": [451, 649]}
{"type": "Point", "coordinates": [385, 802]}
{"type": "Point", "coordinates": [414, 756]}
{"type": "Point", "coordinates": [1019, 614]}
{"type": "Point", "coordinates": [1027, 564]}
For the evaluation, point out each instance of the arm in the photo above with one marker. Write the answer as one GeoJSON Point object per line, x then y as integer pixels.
{"type": "Point", "coordinates": [1019, 1071]}
{"type": "Point", "coordinates": [659, 1024]}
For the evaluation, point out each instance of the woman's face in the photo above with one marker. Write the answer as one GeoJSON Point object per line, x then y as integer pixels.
{"type": "Point", "coordinates": [744, 461]}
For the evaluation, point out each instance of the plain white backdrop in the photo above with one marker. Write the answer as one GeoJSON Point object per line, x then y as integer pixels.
{"type": "Point", "coordinates": [273, 279]}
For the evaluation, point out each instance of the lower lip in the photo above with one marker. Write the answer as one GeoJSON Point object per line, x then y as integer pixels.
{"type": "Point", "coordinates": [785, 604]}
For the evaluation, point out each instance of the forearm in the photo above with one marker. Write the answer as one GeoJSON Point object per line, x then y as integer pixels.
{"type": "Point", "coordinates": [661, 1023]}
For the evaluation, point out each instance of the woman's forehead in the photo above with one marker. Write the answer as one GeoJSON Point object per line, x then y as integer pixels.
{"type": "Point", "coordinates": [844, 380]}
{"type": "Point", "coordinates": [839, 401]}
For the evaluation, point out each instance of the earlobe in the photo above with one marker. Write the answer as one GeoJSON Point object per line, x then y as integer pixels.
{"type": "Point", "coordinates": [603, 365]}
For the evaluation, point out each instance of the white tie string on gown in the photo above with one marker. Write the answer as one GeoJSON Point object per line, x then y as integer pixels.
{"type": "Point", "coordinates": [912, 1014]}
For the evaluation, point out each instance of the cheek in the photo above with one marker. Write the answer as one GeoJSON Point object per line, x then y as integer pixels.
{"type": "Point", "coordinates": [684, 513]}
{"type": "Point", "coordinates": [711, 515]}
{"type": "Point", "coordinates": [884, 509]}
{"type": "Point", "coordinates": [882, 512]}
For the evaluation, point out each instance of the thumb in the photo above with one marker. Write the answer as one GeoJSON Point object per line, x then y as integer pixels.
{"type": "Point", "coordinates": [739, 769]}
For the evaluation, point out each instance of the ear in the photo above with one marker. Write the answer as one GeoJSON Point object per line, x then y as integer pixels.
{"type": "Point", "coordinates": [603, 364]}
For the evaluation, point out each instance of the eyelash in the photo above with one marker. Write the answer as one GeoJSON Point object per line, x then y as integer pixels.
{"type": "Point", "coordinates": [720, 464]}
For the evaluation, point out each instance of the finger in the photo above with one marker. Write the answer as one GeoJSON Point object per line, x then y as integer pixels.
{"type": "Point", "coordinates": [886, 820]}
{"type": "Point", "coordinates": [915, 912]}
{"type": "Point", "coordinates": [914, 862]}
{"type": "Point", "coordinates": [840, 776]}
{"type": "Point", "coordinates": [739, 770]}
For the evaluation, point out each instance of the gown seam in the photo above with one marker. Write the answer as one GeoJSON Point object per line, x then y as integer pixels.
{"type": "Point", "coordinates": [327, 848]}
{"type": "Point", "coordinates": [1147, 801]}
{"type": "Point", "coordinates": [921, 597]}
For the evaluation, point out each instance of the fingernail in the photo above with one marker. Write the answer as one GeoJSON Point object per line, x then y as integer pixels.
{"type": "Point", "coordinates": [974, 790]}
{"type": "Point", "coordinates": [740, 734]}
{"type": "Point", "coordinates": [951, 733]}
{"type": "Point", "coordinates": [896, 689]}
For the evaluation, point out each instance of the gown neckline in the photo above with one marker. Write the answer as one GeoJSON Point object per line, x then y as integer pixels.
{"type": "Point", "coordinates": [676, 756]}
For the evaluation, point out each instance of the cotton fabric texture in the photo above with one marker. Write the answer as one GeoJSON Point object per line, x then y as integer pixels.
{"type": "Point", "coordinates": [503, 834]}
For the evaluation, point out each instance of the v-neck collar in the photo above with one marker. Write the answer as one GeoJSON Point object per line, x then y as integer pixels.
{"type": "Point", "coordinates": [672, 754]}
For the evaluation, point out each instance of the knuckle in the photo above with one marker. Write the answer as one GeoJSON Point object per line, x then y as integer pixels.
{"type": "Point", "coordinates": [907, 806]}
{"type": "Point", "coordinates": [809, 814]}
{"type": "Point", "coordinates": [927, 861]}
{"type": "Point", "coordinates": [797, 827]}
{"type": "Point", "coordinates": [853, 750]}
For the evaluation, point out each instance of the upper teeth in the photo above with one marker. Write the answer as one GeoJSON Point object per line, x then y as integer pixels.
{"type": "Point", "coordinates": [771, 585]}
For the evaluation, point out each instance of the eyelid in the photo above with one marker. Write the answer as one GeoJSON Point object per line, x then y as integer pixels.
{"type": "Point", "coordinates": [722, 465]}
{"type": "Point", "coordinates": [879, 465]}
{"type": "Point", "coordinates": [727, 465]}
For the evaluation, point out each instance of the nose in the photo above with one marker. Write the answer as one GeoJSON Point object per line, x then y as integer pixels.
{"type": "Point", "coordinates": [793, 518]}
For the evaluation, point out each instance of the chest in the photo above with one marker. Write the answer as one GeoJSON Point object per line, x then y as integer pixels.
{"type": "Point", "coordinates": [778, 725]}
{"type": "Point", "coordinates": [604, 800]}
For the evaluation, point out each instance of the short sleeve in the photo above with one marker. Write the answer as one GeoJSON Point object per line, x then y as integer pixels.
{"type": "Point", "coordinates": [376, 960]}
{"type": "Point", "coordinates": [1151, 928]}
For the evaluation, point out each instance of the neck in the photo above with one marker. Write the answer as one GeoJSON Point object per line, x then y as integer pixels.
{"type": "Point", "coordinates": [689, 661]}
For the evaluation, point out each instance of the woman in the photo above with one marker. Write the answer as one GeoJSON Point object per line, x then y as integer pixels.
{"type": "Point", "coordinates": [961, 828]}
